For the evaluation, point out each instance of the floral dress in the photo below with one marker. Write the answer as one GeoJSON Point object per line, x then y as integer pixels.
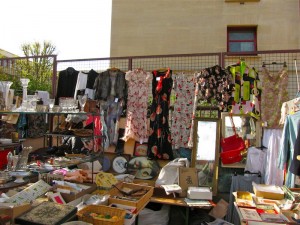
{"type": "Point", "coordinates": [137, 104]}
{"type": "Point", "coordinates": [274, 84]}
{"type": "Point", "coordinates": [213, 83]}
{"type": "Point", "coordinates": [159, 142]}
{"type": "Point", "coordinates": [184, 88]}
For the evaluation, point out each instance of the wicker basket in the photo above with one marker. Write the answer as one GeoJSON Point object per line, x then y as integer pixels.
{"type": "Point", "coordinates": [83, 215]}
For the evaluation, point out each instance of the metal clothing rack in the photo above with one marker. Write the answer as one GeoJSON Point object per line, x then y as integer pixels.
{"type": "Point", "coordinates": [274, 63]}
{"type": "Point", "coordinates": [250, 173]}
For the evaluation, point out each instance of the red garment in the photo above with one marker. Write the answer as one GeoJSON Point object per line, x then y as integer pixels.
{"type": "Point", "coordinates": [97, 127]}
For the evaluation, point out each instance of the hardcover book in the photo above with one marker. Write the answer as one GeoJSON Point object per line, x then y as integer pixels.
{"type": "Point", "coordinates": [249, 214]}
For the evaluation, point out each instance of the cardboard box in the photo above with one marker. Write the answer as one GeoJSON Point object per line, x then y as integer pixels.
{"type": "Point", "coordinates": [77, 201]}
{"type": "Point", "coordinates": [72, 196]}
{"type": "Point", "coordinates": [268, 191]}
{"type": "Point", "coordinates": [13, 210]}
{"type": "Point", "coordinates": [138, 202]}
{"type": "Point", "coordinates": [188, 177]}
{"type": "Point", "coordinates": [203, 193]}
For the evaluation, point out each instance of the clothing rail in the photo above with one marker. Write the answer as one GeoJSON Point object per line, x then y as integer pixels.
{"type": "Point", "coordinates": [274, 63]}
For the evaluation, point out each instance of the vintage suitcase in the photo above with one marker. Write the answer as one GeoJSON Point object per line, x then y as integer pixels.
{"type": "Point", "coordinates": [47, 213]}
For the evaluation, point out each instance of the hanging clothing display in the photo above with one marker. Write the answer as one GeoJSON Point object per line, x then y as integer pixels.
{"type": "Point", "coordinates": [110, 83]}
{"type": "Point", "coordinates": [274, 84]}
{"type": "Point", "coordinates": [212, 83]}
{"type": "Point", "coordinates": [295, 164]}
{"type": "Point", "coordinates": [105, 139]}
{"type": "Point", "coordinates": [256, 160]}
{"type": "Point", "coordinates": [184, 88]}
{"type": "Point", "coordinates": [94, 122]}
{"type": "Point", "coordinates": [289, 107]}
{"type": "Point", "coordinates": [110, 90]}
{"type": "Point", "coordinates": [271, 139]}
{"type": "Point", "coordinates": [137, 104]}
{"type": "Point", "coordinates": [91, 77]}
{"type": "Point", "coordinates": [159, 142]}
{"type": "Point", "coordinates": [286, 153]}
{"type": "Point", "coordinates": [80, 84]}
{"type": "Point", "coordinates": [247, 90]}
{"type": "Point", "coordinates": [66, 84]}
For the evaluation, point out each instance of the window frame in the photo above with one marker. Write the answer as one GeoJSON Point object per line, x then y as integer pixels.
{"type": "Point", "coordinates": [242, 1]}
{"type": "Point", "coordinates": [241, 29]}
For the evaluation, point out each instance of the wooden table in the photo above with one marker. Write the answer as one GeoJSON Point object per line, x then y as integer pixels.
{"type": "Point", "coordinates": [11, 184]}
{"type": "Point", "coordinates": [244, 222]}
{"type": "Point", "coordinates": [177, 201]}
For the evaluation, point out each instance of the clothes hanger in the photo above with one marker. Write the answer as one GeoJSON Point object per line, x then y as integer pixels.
{"type": "Point", "coordinates": [113, 68]}
{"type": "Point", "coordinates": [70, 70]}
{"type": "Point", "coordinates": [252, 173]}
{"type": "Point", "coordinates": [163, 69]}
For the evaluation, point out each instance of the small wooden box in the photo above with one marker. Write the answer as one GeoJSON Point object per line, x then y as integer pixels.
{"type": "Point", "coordinates": [72, 196]}
{"type": "Point", "coordinates": [138, 202]}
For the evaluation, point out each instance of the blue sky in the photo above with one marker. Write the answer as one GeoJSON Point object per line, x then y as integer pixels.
{"type": "Point", "coordinates": [78, 29]}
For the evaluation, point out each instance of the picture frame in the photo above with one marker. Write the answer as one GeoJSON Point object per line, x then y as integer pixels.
{"type": "Point", "coordinates": [140, 149]}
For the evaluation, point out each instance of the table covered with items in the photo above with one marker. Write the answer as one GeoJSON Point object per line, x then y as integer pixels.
{"type": "Point", "coordinates": [268, 204]}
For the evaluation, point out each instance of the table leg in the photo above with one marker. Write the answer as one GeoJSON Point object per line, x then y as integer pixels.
{"type": "Point", "coordinates": [136, 219]}
{"type": "Point", "coordinates": [187, 214]}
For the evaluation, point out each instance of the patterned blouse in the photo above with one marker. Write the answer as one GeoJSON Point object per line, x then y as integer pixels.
{"type": "Point", "coordinates": [274, 84]}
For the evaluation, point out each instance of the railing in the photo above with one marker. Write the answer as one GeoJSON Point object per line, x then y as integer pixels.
{"type": "Point", "coordinates": [188, 63]}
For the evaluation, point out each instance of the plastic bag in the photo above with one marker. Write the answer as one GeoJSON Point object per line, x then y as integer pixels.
{"type": "Point", "coordinates": [150, 217]}
{"type": "Point", "coordinates": [169, 173]}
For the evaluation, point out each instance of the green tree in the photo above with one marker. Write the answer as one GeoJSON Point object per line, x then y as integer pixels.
{"type": "Point", "coordinates": [37, 66]}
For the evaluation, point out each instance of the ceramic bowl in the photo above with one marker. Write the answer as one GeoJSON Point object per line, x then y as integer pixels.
{"type": "Point", "coordinates": [19, 175]}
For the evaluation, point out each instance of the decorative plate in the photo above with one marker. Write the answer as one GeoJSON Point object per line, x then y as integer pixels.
{"type": "Point", "coordinates": [119, 164]}
{"type": "Point", "coordinates": [143, 168]}
{"type": "Point", "coordinates": [105, 163]}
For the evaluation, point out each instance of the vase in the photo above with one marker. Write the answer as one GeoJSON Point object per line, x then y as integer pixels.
{"type": "Point", "coordinates": [4, 87]}
{"type": "Point", "coordinates": [24, 82]}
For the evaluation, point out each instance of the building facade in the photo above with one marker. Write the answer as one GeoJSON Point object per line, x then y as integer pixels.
{"type": "Point", "coordinates": [159, 27]}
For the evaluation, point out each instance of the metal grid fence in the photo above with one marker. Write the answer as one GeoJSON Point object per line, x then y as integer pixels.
{"type": "Point", "coordinates": [185, 62]}
{"type": "Point", "coordinates": [274, 61]}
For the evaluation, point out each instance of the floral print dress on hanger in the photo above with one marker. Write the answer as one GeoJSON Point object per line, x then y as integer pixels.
{"type": "Point", "coordinates": [137, 104]}
{"type": "Point", "coordinates": [213, 83]}
{"type": "Point", "coordinates": [184, 88]}
{"type": "Point", "coordinates": [274, 84]}
{"type": "Point", "coordinates": [159, 142]}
